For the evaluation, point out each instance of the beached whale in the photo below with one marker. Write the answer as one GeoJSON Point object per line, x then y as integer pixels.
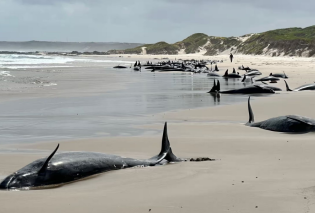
{"type": "Point", "coordinates": [253, 73]}
{"type": "Point", "coordinates": [231, 75]}
{"type": "Point", "coordinates": [287, 123]}
{"type": "Point", "coordinates": [137, 69]}
{"type": "Point", "coordinates": [213, 74]}
{"type": "Point", "coordinates": [246, 90]}
{"type": "Point", "coordinates": [269, 78]}
{"type": "Point", "coordinates": [245, 79]}
{"type": "Point", "coordinates": [120, 67]}
{"type": "Point", "coordinates": [279, 75]}
{"type": "Point", "coordinates": [301, 88]}
{"type": "Point", "coordinates": [62, 168]}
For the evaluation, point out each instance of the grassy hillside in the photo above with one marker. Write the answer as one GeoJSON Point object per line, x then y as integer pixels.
{"type": "Point", "coordinates": [220, 44]}
{"type": "Point", "coordinates": [154, 49]}
{"type": "Point", "coordinates": [162, 48]}
{"type": "Point", "coordinates": [193, 42]}
{"type": "Point", "coordinates": [290, 41]}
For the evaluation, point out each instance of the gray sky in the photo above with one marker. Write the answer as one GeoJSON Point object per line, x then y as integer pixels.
{"type": "Point", "coordinates": [146, 21]}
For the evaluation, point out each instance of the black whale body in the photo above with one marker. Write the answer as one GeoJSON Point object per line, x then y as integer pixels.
{"type": "Point", "coordinates": [279, 75]}
{"type": "Point", "coordinates": [249, 90]}
{"type": "Point", "coordinates": [71, 166]}
{"type": "Point", "coordinates": [120, 67]}
{"type": "Point", "coordinates": [287, 123]}
{"type": "Point", "coordinates": [268, 78]}
{"type": "Point", "coordinates": [231, 75]}
{"type": "Point", "coordinates": [253, 89]}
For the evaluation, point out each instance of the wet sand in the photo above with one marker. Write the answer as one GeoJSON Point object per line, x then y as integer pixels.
{"type": "Point", "coordinates": [255, 170]}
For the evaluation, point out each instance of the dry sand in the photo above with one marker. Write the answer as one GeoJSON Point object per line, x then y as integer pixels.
{"type": "Point", "coordinates": [255, 170]}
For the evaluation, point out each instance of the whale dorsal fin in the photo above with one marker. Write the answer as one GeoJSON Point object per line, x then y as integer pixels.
{"type": "Point", "coordinates": [164, 149]}
{"type": "Point", "coordinates": [250, 112]}
{"type": "Point", "coordinates": [214, 87]}
{"type": "Point", "coordinates": [47, 160]}
{"type": "Point", "coordinates": [287, 86]}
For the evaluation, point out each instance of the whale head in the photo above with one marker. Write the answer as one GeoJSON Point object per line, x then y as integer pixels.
{"type": "Point", "coordinates": [18, 181]}
{"type": "Point", "coordinates": [33, 175]}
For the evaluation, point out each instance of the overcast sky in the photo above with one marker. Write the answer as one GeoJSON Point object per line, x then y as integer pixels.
{"type": "Point", "coordinates": [146, 21]}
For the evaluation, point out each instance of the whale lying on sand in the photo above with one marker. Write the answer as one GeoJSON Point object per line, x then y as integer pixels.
{"type": "Point", "coordinates": [231, 75]}
{"type": "Point", "coordinates": [279, 75]}
{"type": "Point", "coordinates": [120, 67]}
{"type": "Point", "coordinates": [301, 88]}
{"type": "Point", "coordinates": [269, 78]}
{"type": "Point", "coordinates": [246, 90]}
{"type": "Point", "coordinates": [253, 73]}
{"type": "Point", "coordinates": [67, 167]}
{"type": "Point", "coordinates": [287, 123]}
{"type": "Point", "coordinates": [213, 74]}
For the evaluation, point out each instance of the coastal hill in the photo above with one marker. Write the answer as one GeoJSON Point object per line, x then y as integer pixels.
{"type": "Point", "coordinates": [50, 46]}
{"type": "Point", "coordinates": [281, 42]}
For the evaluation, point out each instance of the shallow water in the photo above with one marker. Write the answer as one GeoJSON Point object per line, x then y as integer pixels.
{"type": "Point", "coordinates": [116, 113]}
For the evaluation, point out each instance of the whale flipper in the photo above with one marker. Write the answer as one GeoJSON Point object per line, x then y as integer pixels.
{"type": "Point", "coordinates": [287, 86]}
{"type": "Point", "coordinates": [250, 112]}
{"type": "Point", "coordinates": [43, 169]}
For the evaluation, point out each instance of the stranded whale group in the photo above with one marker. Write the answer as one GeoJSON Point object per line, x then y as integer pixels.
{"type": "Point", "coordinates": [66, 167]}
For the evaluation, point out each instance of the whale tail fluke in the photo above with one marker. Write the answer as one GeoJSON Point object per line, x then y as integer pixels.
{"type": "Point", "coordinates": [250, 112]}
{"type": "Point", "coordinates": [287, 86]}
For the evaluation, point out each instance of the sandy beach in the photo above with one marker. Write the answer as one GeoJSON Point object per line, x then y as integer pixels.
{"type": "Point", "coordinates": [255, 170]}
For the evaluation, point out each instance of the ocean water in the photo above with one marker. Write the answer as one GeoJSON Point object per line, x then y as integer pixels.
{"type": "Point", "coordinates": [15, 61]}
{"type": "Point", "coordinates": [116, 113]}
